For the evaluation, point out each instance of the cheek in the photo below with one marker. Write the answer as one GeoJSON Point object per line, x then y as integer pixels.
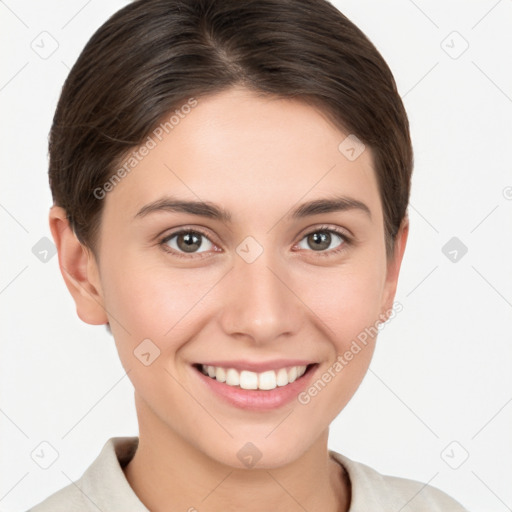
{"type": "Point", "coordinates": [155, 311]}
{"type": "Point", "coordinates": [155, 303]}
{"type": "Point", "coordinates": [349, 305]}
{"type": "Point", "coordinates": [164, 304]}
{"type": "Point", "coordinates": [348, 300]}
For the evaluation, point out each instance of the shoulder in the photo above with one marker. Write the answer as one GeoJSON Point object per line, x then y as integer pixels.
{"type": "Point", "coordinates": [103, 486]}
{"type": "Point", "coordinates": [67, 499]}
{"type": "Point", "coordinates": [374, 491]}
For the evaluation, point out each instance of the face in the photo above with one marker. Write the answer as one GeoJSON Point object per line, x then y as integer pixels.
{"type": "Point", "coordinates": [273, 286]}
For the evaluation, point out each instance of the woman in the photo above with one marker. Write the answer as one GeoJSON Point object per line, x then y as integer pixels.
{"type": "Point", "coordinates": [230, 182]}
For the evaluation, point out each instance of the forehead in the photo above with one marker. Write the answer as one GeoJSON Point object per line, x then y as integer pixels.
{"type": "Point", "coordinates": [246, 152]}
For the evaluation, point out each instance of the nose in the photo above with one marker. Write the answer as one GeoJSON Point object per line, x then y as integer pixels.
{"type": "Point", "coordinates": [260, 302]}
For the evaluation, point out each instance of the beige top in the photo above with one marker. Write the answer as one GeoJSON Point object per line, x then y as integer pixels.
{"type": "Point", "coordinates": [104, 487]}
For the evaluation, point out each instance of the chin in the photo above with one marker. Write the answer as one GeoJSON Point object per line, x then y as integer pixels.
{"type": "Point", "coordinates": [258, 452]}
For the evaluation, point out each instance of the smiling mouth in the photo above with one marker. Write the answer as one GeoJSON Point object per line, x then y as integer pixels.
{"type": "Point", "coordinates": [249, 380]}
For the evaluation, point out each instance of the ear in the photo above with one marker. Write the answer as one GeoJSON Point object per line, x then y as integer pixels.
{"type": "Point", "coordinates": [393, 269]}
{"type": "Point", "coordinates": [79, 269]}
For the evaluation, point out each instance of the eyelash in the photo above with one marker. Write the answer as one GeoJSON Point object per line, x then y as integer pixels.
{"type": "Point", "coordinates": [320, 229]}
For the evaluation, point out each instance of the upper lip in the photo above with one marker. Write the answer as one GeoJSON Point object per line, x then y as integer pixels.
{"type": "Point", "coordinates": [258, 367]}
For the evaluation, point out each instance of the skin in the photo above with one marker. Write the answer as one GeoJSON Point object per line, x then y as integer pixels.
{"type": "Point", "coordinates": [258, 157]}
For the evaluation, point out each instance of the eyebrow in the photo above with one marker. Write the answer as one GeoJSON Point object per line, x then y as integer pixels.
{"type": "Point", "coordinates": [213, 211]}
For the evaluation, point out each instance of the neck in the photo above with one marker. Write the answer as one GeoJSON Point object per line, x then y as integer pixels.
{"type": "Point", "coordinates": [167, 472]}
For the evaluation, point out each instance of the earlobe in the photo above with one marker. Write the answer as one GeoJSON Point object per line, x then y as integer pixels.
{"type": "Point", "coordinates": [79, 269]}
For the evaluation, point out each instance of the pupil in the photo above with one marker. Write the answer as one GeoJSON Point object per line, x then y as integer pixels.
{"type": "Point", "coordinates": [192, 242]}
{"type": "Point", "coordinates": [321, 240]}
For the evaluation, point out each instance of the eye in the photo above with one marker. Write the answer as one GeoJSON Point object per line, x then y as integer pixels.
{"type": "Point", "coordinates": [187, 242]}
{"type": "Point", "coordinates": [325, 240]}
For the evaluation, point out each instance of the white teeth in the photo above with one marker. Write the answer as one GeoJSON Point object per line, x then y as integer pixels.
{"type": "Point", "coordinates": [248, 380]}
{"type": "Point", "coordinates": [251, 380]}
{"type": "Point", "coordinates": [232, 377]}
{"type": "Point", "coordinates": [267, 380]}
{"type": "Point", "coordinates": [220, 374]}
{"type": "Point", "coordinates": [282, 377]}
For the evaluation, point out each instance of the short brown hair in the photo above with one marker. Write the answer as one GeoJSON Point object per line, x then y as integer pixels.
{"type": "Point", "coordinates": [152, 55]}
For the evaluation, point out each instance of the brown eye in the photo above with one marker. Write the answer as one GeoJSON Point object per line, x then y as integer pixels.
{"type": "Point", "coordinates": [322, 240]}
{"type": "Point", "coordinates": [319, 241]}
{"type": "Point", "coordinates": [188, 242]}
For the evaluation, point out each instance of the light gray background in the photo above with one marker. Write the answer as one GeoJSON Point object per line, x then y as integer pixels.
{"type": "Point", "coordinates": [440, 385]}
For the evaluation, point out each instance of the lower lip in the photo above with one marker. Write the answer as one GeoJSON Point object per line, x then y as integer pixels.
{"type": "Point", "coordinates": [257, 399]}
